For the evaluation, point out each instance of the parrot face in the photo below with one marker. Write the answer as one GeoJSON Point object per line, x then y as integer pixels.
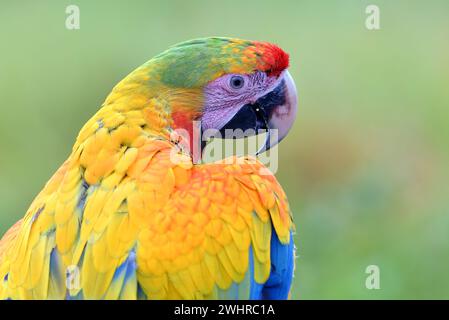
{"type": "Point", "coordinates": [227, 84]}
{"type": "Point", "coordinates": [255, 101]}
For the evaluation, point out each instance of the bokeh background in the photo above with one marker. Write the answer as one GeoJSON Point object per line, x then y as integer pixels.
{"type": "Point", "coordinates": [365, 167]}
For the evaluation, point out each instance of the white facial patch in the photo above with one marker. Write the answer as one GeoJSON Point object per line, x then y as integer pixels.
{"type": "Point", "coordinates": [222, 102]}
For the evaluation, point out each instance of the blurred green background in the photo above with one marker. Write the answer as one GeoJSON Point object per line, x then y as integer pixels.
{"type": "Point", "coordinates": [365, 167]}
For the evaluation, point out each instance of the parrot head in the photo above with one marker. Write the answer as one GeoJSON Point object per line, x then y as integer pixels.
{"type": "Point", "coordinates": [222, 83]}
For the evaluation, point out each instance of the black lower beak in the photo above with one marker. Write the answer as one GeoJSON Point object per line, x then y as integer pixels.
{"type": "Point", "coordinates": [246, 122]}
{"type": "Point", "coordinates": [261, 117]}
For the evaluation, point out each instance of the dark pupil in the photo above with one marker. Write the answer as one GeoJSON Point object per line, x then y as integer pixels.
{"type": "Point", "coordinates": [237, 82]}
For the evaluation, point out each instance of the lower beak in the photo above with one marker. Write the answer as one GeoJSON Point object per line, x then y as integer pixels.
{"type": "Point", "coordinates": [280, 118]}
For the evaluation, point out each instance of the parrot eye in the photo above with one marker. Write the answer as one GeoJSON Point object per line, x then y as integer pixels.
{"type": "Point", "coordinates": [236, 82]}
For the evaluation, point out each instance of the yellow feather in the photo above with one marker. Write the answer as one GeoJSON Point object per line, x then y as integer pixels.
{"type": "Point", "coordinates": [129, 290]}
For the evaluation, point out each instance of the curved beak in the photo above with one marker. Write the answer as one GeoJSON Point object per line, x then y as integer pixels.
{"type": "Point", "coordinates": [280, 116]}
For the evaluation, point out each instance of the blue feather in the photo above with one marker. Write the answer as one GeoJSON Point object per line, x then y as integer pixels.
{"type": "Point", "coordinates": [279, 282]}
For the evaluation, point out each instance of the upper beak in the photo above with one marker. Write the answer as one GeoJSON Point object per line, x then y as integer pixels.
{"type": "Point", "coordinates": [280, 117]}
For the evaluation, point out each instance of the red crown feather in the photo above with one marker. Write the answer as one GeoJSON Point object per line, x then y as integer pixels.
{"type": "Point", "coordinates": [273, 59]}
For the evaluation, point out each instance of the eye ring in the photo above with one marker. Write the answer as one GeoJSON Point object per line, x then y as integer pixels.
{"type": "Point", "coordinates": [237, 82]}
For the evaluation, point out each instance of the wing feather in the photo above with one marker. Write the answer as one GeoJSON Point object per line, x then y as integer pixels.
{"type": "Point", "coordinates": [138, 223]}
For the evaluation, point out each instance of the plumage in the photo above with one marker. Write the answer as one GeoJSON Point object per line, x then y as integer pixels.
{"type": "Point", "coordinates": [138, 224]}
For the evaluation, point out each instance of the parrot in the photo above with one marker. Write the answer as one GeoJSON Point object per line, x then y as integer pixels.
{"type": "Point", "coordinates": [130, 215]}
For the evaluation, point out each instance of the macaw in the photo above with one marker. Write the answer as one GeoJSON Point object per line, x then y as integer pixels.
{"type": "Point", "coordinates": [130, 215]}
